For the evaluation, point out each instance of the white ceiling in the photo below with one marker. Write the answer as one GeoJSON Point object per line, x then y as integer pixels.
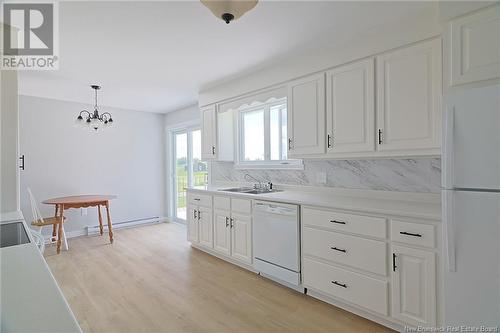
{"type": "Point", "coordinates": [154, 56]}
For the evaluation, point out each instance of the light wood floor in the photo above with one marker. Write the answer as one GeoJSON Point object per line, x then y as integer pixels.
{"type": "Point", "coordinates": [151, 280]}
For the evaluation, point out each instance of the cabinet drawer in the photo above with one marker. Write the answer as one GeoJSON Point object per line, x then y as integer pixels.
{"type": "Point", "coordinates": [358, 224]}
{"type": "Point", "coordinates": [243, 206]}
{"type": "Point", "coordinates": [358, 252]}
{"type": "Point", "coordinates": [413, 233]}
{"type": "Point", "coordinates": [356, 288]}
{"type": "Point", "coordinates": [223, 203]}
{"type": "Point", "coordinates": [200, 199]}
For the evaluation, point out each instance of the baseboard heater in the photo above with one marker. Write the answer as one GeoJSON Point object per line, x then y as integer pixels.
{"type": "Point", "coordinates": [93, 230]}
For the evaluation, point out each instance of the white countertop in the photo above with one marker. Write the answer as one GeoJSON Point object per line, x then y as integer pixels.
{"type": "Point", "coordinates": [416, 205]}
{"type": "Point", "coordinates": [31, 300]}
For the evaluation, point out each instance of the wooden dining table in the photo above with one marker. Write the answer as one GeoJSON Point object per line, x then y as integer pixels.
{"type": "Point", "coordinates": [80, 201]}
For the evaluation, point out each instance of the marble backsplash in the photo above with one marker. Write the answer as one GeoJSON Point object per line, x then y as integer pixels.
{"type": "Point", "coordinates": [407, 175]}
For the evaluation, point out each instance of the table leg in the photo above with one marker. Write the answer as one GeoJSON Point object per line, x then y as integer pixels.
{"type": "Point", "coordinates": [110, 228]}
{"type": "Point", "coordinates": [59, 232]}
{"type": "Point", "coordinates": [100, 219]}
{"type": "Point", "coordinates": [54, 226]}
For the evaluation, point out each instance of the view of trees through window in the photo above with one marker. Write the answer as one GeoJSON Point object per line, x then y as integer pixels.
{"type": "Point", "coordinates": [189, 169]}
{"type": "Point", "coordinates": [264, 133]}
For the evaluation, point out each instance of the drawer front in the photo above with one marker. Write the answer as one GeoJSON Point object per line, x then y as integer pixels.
{"type": "Point", "coordinates": [356, 288]}
{"type": "Point", "coordinates": [413, 233]}
{"type": "Point", "coordinates": [357, 224]}
{"type": "Point", "coordinates": [223, 203]}
{"type": "Point", "coordinates": [358, 252]}
{"type": "Point", "coordinates": [243, 206]}
{"type": "Point", "coordinates": [200, 199]}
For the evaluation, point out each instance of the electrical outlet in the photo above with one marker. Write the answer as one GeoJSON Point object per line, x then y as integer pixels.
{"type": "Point", "coordinates": [321, 177]}
{"type": "Point", "coordinates": [83, 211]}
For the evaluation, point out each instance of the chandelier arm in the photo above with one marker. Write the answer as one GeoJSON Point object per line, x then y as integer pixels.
{"type": "Point", "coordinates": [106, 116]}
{"type": "Point", "coordinates": [85, 111]}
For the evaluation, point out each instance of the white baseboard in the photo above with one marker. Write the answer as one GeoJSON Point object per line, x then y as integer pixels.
{"type": "Point", "coordinates": [93, 230]}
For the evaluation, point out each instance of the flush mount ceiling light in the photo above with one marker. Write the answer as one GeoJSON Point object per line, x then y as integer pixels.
{"type": "Point", "coordinates": [229, 10]}
{"type": "Point", "coordinates": [94, 120]}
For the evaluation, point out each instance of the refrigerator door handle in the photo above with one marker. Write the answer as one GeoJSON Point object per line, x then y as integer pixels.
{"type": "Point", "coordinates": [449, 230]}
{"type": "Point", "coordinates": [448, 137]}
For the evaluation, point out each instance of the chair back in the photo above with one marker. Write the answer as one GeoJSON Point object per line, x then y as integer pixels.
{"type": "Point", "coordinates": [34, 207]}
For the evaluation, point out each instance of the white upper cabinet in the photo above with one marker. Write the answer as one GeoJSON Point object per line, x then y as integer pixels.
{"type": "Point", "coordinates": [209, 132]}
{"type": "Point", "coordinates": [475, 46]}
{"type": "Point", "coordinates": [306, 116]}
{"type": "Point", "coordinates": [409, 87]}
{"type": "Point", "coordinates": [350, 107]}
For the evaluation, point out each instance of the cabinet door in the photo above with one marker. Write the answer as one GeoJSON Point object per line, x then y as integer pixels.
{"type": "Point", "coordinates": [205, 226]}
{"type": "Point", "coordinates": [208, 132]}
{"type": "Point", "coordinates": [414, 286]}
{"type": "Point", "coordinates": [222, 232]}
{"type": "Point", "coordinates": [306, 116]}
{"type": "Point", "coordinates": [9, 132]}
{"type": "Point", "coordinates": [241, 238]}
{"type": "Point", "coordinates": [409, 98]}
{"type": "Point", "coordinates": [350, 108]}
{"type": "Point", "coordinates": [475, 46]}
{"type": "Point", "coordinates": [192, 224]}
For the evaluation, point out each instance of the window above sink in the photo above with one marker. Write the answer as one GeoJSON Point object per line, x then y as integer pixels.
{"type": "Point", "coordinates": [262, 137]}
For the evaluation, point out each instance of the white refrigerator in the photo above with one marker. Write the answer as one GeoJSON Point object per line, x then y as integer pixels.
{"type": "Point", "coordinates": [471, 207]}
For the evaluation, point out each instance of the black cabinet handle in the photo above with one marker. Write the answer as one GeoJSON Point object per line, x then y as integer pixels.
{"type": "Point", "coordinates": [338, 222]}
{"type": "Point", "coordinates": [213, 150]}
{"type": "Point", "coordinates": [410, 234]}
{"type": "Point", "coordinates": [22, 162]}
{"type": "Point", "coordinates": [227, 221]}
{"type": "Point", "coordinates": [394, 262]}
{"type": "Point", "coordinates": [343, 285]}
{"type": "Point", "coordinates": [196, 199]}
{"type": "Point", "coordinates": [194, 214]}
{"type": "Point", "coordinates": [379, 136]}
{"type": "Point", "coordinates": [337, 249]}
{"type": "Point", "coordinates": [232, 222]}
{"type": "Point", "coordinates": [328, 141]}
{"type": "Point", "coordinates": [199, 215]}
{"type": "Point", "coordinates": [289, 144]}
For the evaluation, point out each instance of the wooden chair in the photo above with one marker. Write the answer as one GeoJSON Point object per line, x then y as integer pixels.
{"type": "Point", "coordinates": [39, 221]}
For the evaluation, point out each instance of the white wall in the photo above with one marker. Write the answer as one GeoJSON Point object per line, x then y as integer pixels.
{"type": "Point", "coordinates": [307, 61]}
{"type": "Point", "coordinates": [188, 114]}
{"type": "Point", "coordinates": [126, 160]}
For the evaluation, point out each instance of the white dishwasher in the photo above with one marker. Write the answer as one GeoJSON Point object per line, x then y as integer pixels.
{"type": "Point", "coordinates": [276, 241]}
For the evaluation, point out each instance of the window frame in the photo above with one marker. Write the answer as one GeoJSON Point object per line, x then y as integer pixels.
{"type": "Point", "coordinates": [267, 163]}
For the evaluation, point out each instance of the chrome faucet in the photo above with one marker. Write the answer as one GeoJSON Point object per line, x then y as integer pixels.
{"type": "Point", "coordinates": [267, 187]}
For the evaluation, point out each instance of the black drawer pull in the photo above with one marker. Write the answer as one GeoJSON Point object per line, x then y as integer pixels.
{"type": "Point", "coordinates": [394, 262]}
{"type": "Point", "coordinates": [337, 249]}
{"type": "Point", "coordinates": [197, 199]}
{"type": "Point", "coordinates": [338, 222]}
{"type": "Point", "coordinates": [343, 285]}
{"type": "Point", "coordinates": [410, 234]}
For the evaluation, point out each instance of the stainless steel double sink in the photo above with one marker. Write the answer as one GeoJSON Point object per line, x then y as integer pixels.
{"type": "Point", "coordinates": [249, 190]}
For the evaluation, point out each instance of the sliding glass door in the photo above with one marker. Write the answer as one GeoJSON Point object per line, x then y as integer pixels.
{"type": "Point", "coordinates": [188, 169]}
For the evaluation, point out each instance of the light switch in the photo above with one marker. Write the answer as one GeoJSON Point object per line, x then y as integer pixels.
{"type": "Point", "coordinates": [83, 211]}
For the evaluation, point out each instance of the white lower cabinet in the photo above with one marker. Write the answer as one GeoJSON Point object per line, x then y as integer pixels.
{"type": "Point", "coordinates": [346, 256]}
{"type": "Point", "coordinates": [200, 220]}
{"type": "Point", "coordinates": [205, 227]}
{"type": "Point", "coordinates": [233, 228]}
{"type": "Point", "coordinates": [353, 287]}
{"type": "Point", "coordinates": [241, 237]}
{"type": "Point", "coordinates": [222, 231]}
{"type": "Point", "coordinates": [192, 224]}
{"type": "Point", "coordinates": [414, 286]}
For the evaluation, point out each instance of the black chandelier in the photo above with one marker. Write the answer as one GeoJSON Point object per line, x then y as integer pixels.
{"type": "Point", "coordinates": [94, 120]}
